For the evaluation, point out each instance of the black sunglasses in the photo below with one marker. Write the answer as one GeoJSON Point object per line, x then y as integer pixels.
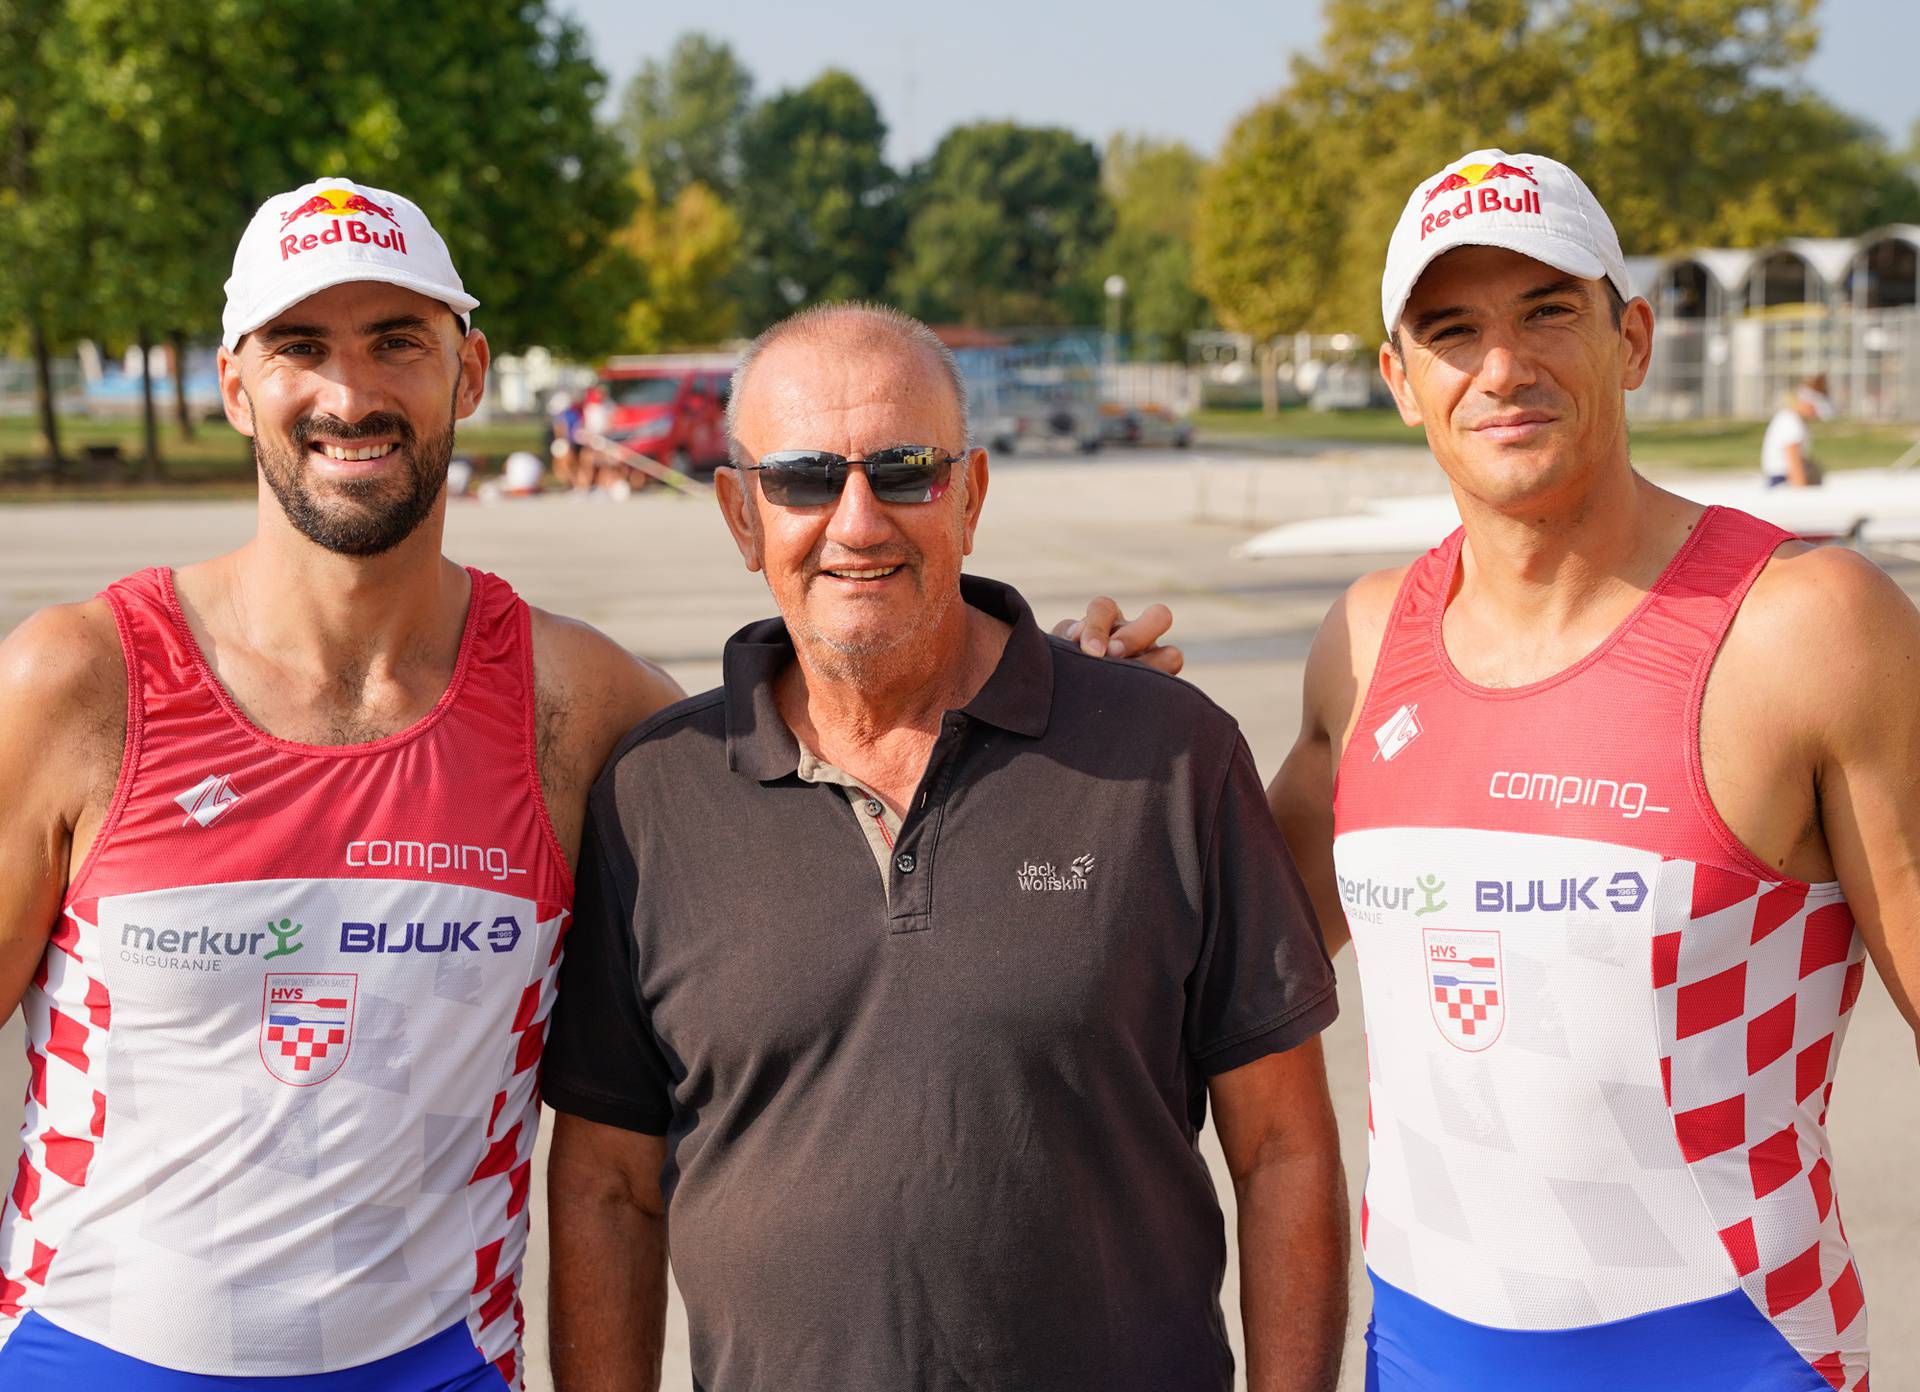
{"type": "Point", "coordinates": [897, 474]}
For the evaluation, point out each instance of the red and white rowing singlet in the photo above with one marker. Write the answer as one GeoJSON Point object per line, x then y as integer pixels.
{"type": "Point", "coordinates": [283, 1046]}
{"type": "Point", "coordinates": [1601, 1034]}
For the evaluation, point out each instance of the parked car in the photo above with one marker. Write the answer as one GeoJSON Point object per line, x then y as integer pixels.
{"type": "Point", "coordinates": [671, 409]}
{"type": "Point", "coordinates": [1159, 426]}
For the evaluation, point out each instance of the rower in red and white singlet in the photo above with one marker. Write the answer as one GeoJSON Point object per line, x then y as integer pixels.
{"type": "Point", "coordinates": [283, 1044]}
{"type": "Point", "coordinates": [1615, 795]}
{"type": "Point", "coordinates": [1601, 1035]}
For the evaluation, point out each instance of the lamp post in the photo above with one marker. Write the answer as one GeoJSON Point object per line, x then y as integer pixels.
{"type": "Point", "coordinates": [1116, 288]}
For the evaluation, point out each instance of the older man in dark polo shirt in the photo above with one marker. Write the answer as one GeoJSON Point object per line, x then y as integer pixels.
{"type": "Point", "coordinates": [905, 965]}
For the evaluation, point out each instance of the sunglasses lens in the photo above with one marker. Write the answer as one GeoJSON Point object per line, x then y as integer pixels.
{"type": "Point", "coordinates": [802, 478]}
{"type": "Point", "coordinates": [908, 473]}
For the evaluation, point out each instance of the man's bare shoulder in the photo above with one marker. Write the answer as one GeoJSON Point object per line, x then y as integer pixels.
{"type": "Point", "coordinates": [63, 697]}
{"type": "Point", "coordinates": [1367, 604]}
{"type": "Point", "coordinates": [589, 692]}
{"type": "Point", "coordinates": [1345, 648]}
{"type": "Point", "coordinates": [580, 655]}
{"type": "Point", "coordinates": [65, 658]}
{"type": "Point", "coordinates": [1822, 625]}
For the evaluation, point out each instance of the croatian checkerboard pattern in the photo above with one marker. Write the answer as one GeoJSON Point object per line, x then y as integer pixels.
{"type": "Point", "coordinates": [67, 1015]}
{"type": "Point", "coordinates": [1753, 995]}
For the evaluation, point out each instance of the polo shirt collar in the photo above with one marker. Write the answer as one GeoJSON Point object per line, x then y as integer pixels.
{"type": "Point", "coordinates": [1018, 697]}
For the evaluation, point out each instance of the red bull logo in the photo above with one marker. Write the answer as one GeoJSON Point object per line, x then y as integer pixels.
{"type": "Point", "coordinates": [1471, 180]}
{"type": "Point", "coordinates": [343, 209]}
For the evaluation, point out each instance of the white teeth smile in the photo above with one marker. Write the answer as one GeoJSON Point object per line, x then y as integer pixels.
{"type": "Point", "coordinates": [864, 574]}
{"type": "Point", "coordinates": [340, 452]}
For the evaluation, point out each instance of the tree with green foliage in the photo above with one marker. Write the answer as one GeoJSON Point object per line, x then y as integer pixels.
{"type": "Point", "coordinates": [687, 251]}
{"type": "Point", "coordinates": [43, 292]}
{"type": "Point", "coordinates": [485, 115]}
{"type": "Point", "coordinates": [819, 207]}
{"type": "Point", "coordinates": [1154, 188]}
{"type": "Point", "coordinates": [143, 160]}
{"type": "Point", "coordinates": [1268, 230]}
{"type": "Point", "coordinates": [682, 117]}
{"type": "Point", "coordinates": [131, 155]}
{"type": "Point", "coordinates": [1689, 119]}
{"type": "Point", "coordinates": [1003, 222]}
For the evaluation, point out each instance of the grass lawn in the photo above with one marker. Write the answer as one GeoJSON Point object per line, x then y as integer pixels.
{"type": "Point", "coordinates": [215, 462]}
{"type": "Point", "coordinates": [1664, 444]}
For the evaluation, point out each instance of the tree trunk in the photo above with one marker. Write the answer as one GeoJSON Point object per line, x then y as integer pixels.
{"type": "Point", "coordinates": [1266, 361]}
{"type": "Point", "coordinates": [150, 425]}
{"type": "Point", "coordinates": [43, 394]}
{"type": "Point", "coordinates": [177, 346]}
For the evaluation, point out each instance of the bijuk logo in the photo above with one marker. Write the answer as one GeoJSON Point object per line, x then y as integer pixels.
{"type": "Point", "coordinates": [450, 935]}
{"type": "Point", "coordinates": [1625, 892]}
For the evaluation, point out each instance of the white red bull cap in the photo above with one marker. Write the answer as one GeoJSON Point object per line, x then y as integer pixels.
{"type": "Point", "coordinates": [328, 233]}
{"type": "Point", "coordinates": [1525, 203]}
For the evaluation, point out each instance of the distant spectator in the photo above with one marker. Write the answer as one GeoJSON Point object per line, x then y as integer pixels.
{"type": "Point", "coordinates": [570, 464]}
{"type": "Point", "coordinates": [1786, 456]}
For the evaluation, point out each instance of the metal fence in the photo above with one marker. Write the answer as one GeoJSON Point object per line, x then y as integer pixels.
{"type": "Point", "coordinates": [1744, 367]}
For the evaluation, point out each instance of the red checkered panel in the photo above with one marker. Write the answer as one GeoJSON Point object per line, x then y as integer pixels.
{"type": "Point", "coordinates": [501, 1182]}
{"type": "Point", "coordinates": [1753, 998]}
{"type": "Point", "coordinates": [67, 1015]}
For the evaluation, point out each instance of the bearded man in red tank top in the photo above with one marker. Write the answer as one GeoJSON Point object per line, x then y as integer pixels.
{"type": "Point", "coordinates": [1615, 795]}
{"type": "Point", "coordinates": [289, 838]}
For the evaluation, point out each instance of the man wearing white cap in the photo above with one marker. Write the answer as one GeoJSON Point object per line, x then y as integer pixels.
{"type": "Point", "coordinates": [1622, 808]}
{"type": "Point", "coordinates": [288, 840]}
{"type": "Point", "coordinates": [288, 843]}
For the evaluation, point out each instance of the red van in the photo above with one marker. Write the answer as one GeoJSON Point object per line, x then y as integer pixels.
{"type": "Point", "coordinates": [672, 409]}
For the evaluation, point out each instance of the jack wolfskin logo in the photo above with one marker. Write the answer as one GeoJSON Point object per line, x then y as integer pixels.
{"type": "Point", "coordinates": [209, 799]}
{"type": "Point", "coordinates": [1041, 877]}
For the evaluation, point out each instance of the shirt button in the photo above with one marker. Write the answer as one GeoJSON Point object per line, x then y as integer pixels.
{"type": "Point", "coordinates": [873, 807]}
{"type": "Point", "coordinates": [904, 863]}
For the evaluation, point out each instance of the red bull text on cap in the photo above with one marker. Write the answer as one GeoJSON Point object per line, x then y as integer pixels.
{"type": "Point", "coordinates": [329, 233]}
{"type": "Point", "coordinates": [1525, 203]}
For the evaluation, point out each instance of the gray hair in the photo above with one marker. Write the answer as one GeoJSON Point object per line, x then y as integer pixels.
{"type": "Point", "coordinates": [874, 322]}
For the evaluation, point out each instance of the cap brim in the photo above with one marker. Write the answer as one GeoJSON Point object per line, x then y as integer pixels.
{"type": "Point", "coordinates": [345, 273]}
{"type": "Point", "coordinates": [1545, 247]}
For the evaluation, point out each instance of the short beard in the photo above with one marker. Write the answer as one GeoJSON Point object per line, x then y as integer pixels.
{"type": "Point", "coordinates": [860, 663]}
{"type": "Point", "coordinates": [363, 523]}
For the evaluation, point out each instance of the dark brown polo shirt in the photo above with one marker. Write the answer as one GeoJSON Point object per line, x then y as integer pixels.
{"type": "Point", "coordinates": [939, 1133]}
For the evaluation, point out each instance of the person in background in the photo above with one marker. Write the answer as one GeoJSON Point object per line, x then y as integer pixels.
{"type": "Point", "coordinates": [570, 464]}
{"type": "Point", "coordinates": [1786, 451]}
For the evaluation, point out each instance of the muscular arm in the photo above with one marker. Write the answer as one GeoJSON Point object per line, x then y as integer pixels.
{"type": "Point", "coordinates": [1339, 666]}
{"type": "Point", "coordinates": [589, 692]}
{"type": "Point", "coordinates": [1283, 1150]}
{"type": "Point", "coordinates": [63, 699]}
{"type": "Point", "coordinates": [1810, 741]}
{"type": "Point", "coordinates": [607, 1226]}
{"type": "Point", "coordinates": [1862, 659]}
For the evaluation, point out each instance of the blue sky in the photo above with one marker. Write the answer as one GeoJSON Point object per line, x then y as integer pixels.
{"type": "Point", "coordinates": [1184, 69]}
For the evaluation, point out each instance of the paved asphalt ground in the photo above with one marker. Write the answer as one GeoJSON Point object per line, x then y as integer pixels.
{"type": "Point", "coordinates": [659, 574]}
